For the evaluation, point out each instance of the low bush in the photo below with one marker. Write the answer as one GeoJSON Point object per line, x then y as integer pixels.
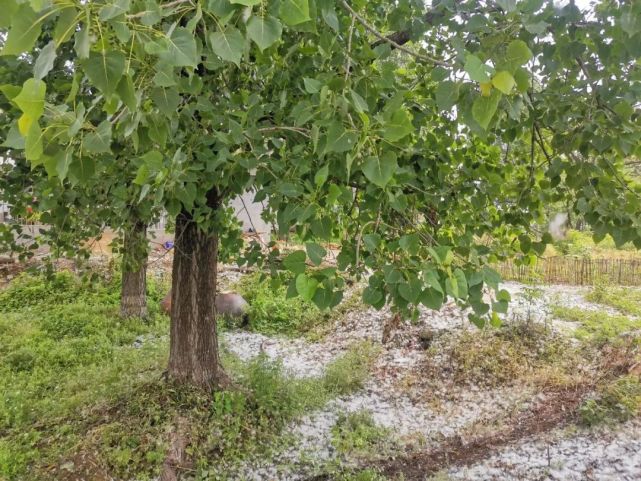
{"type": "Point", "coordinates": [625, 299]}
{"type": "Point", "coordinates": [515, 352]}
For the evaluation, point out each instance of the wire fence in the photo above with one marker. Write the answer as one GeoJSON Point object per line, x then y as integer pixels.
{"type": "Point", "coordinates": [575, 271]}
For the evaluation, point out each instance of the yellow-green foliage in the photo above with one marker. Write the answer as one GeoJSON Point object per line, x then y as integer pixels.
{"type": "Point", "coordinates": [578, 243]}
{"type": "Point", "coordinates": [513, 352]}
{"type": "Point", "coordinates": [616, 401]}
{"type": "Point", "coordinates": [596, 326]}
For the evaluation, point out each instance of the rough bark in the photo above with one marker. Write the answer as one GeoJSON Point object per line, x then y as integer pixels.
{"type": "Point", "coordinates": [193, 351]}
{"type": "Point", "coordinates": [133, 300]}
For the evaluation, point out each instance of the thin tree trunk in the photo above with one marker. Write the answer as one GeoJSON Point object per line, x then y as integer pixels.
{"type": "Point", "coordinates": [193, 351]}
{"type": "Point", "coordinates": [133, 300]}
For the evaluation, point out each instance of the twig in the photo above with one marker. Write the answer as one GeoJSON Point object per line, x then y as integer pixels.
{"type": "Point", "coordinates": [298, 130]}
{"type": "Point", "coordinates": [388, 40]}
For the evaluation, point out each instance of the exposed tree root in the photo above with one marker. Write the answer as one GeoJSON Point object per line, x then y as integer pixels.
{"type": "Point", "coordinates": [176, 454]}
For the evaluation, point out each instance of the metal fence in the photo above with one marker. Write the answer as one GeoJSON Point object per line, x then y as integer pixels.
{"type": "Point", "coordinates": [575, 271]}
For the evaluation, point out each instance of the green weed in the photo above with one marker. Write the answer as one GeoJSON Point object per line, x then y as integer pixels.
{"type": "Point", "coordinates": [617, 401]}
{"type": "Point", "coordinates": [356, 434]}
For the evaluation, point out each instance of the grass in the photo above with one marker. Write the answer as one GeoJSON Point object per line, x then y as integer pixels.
{"type": "Point", "coordinates": [596, 326]}
{"type": "Point", "coordinates": [78, 393]}
{"type": "Point", "coordinates": [625, 299]}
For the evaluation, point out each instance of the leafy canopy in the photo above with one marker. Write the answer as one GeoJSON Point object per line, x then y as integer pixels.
{"type": "Point", "coordinates": [426, 151]}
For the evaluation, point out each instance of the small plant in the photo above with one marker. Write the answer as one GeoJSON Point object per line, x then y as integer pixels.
{"type": "Point", "coordinates": [356, 434]}
{"type": "Point", "coordinates": [617, 401]}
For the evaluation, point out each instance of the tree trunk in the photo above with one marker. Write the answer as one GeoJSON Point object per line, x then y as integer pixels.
{"type": "Point", "coordinates": [133, 300]}
{"type": "Point", "coordinates": [193, 351]}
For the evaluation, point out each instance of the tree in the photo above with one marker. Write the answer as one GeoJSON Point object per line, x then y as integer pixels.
{"type": "Point", "coordinates": [375, 123]}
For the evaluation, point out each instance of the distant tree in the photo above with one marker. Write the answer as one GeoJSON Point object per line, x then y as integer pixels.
{"type": "Point", "coordinates": [379, 125]}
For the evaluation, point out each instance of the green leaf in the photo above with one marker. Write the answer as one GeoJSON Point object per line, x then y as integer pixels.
{"type": "Point", "coordinates": [484, 108]}
{"type": "Point", "coordinates": [339, 139]}
{"type": "Point", "coordinates": [358, 102]}
{"type": "Point", "coordinates": [447, 94]}
{"type": "Point", "coordinates": [99, 141]}
{"type": "Point", "coordinates": [373, 297]}
{"type": "Point", "coordinates": [477, 70]}
{"type": "Point", "coordinates": [293, 12]}
{"type": "Point", "coordinates": [410, 291]}
{"type": "Point", "coordinates": [25, 30]}
{"type": "Point", "coordinates": [10, 7]}
{"type": "Point", "coordinates": [315, 252]}
{"type": "Point", "coordinates": [31, 99]}
{"type": "Point", "coordinates": [321, 176]}
{"type": "Point", "coordinates": [114, 9]}
{"type": "Point", "coordinates": [44, 62]}
{"type": "Point", "coordinates": [295, 262]}
{"type": "Point", "coordinates": [410, 243]}
{"type": "Point", "coordinates": [432, 280]}
{"type": "Point", "coordinates": [522, 79]}
{"type": "Point", "coordinates": [33, 142]}
{"type": "Point", "coordinates": [312, 86]}
{"type": "Point", "coordinates": [380, 170]}
{"type": "Point", "coordinates": [82, 42]}
{"type": "Point", "coordinates": [166, 100]}
{"type": "Point", "coordinates": [63, 161]}
{"type": "Point", "coordinates": [228, 44]}
{"type": "Point", "coordinates": [127, 93]}
{"type": "Point", "coordinates": [517, 53]}
{"type": "Point", "coordinates": [264, 31]}
{"type": "Point", "coordinates": [247, 3]}
{"type": "Point", "coordinates": [431, 298]}
{"type": "Point", "coordinates": [372, 241]}
{"type": "Point", "coordinates": [491, 277]}
{"type": "Point", "coordinates": [182, 50]}
{"type": "Point", "coordinates": [461, 282]}
{"type": "Point", "coordinates": [399, 126]}
{"type": "Point", "coordinates": [630, 21]}
{"type": "Point", "coordinates": [504, 81]}
{"type": "Point", "coordinates": [105, 69]}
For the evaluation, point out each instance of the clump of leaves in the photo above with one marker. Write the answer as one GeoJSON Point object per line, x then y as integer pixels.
{"type": "Point", "coordinates": [616, 401]}
{"type": "Point", "coordinates": [272, 312]}
{"type": "Point", "coordinates": [356, 434]}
